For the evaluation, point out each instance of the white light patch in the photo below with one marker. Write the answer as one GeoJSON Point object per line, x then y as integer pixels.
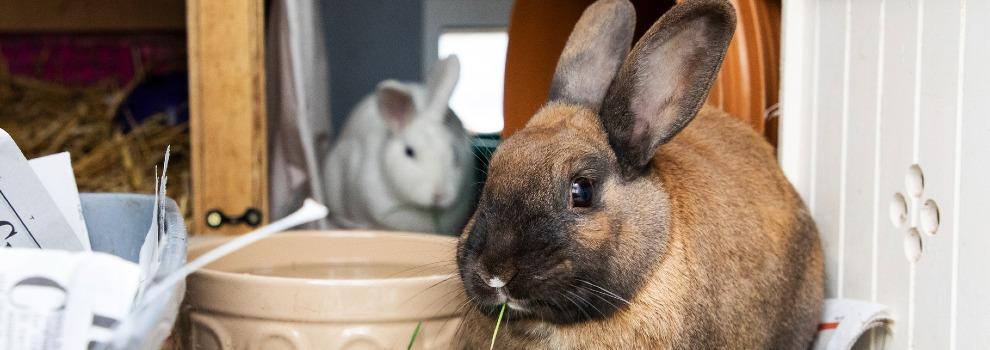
{"type": "Point", "coordinates": [516, 306]}
{"type": "Point", "coordinates": [502, 297]}
{"type": "Point", "coordinates": [496, 282]}
{"type": "Point", "coordinates": [477, 98]}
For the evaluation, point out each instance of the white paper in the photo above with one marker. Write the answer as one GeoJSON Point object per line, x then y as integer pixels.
{"type": "Point", "coordinates": [844, 321]}
{"type": "Point", "coordinates": [55, 173]}
{"type": "Point", "coordinates": [29, 217]}
{"type": "Point", "coordinates": [149, 256]}
{"type": "Point", "coordinates": [52, 299]}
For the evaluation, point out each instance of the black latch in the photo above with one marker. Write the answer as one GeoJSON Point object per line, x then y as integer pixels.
{"type": "Point", "coordinates": [216, 218]}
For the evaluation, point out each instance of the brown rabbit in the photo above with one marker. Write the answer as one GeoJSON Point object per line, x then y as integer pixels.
{"type": "Point", "coordinates": [610, 222]}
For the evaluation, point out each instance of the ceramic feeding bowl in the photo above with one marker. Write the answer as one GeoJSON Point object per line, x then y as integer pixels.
{"type": "Point", "coordinates": [326, 290]}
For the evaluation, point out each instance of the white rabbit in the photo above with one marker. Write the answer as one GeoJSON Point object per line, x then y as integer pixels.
{"type": "Point", "coordinates": [403, 161]}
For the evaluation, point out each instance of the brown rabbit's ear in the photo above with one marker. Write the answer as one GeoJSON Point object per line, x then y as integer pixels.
{"type": "Point", "coordinates": [594, 51]}
{"type": "Point", "coordinates": [664, 81]}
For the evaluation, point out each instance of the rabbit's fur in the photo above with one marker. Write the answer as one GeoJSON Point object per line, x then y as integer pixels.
{"type": "Point", "coordinates": [692, 242]}
{"type": "Point", "coordinates": [403, 160]}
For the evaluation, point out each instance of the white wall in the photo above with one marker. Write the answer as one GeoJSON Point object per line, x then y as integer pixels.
{"type": "Point", "coordinates": [871, 88]}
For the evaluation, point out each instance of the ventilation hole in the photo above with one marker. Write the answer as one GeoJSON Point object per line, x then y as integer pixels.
{"type": "Point", "coordinates": [929, 217]}
{"type": "Point", "coordinates": [914, 181]}
{"type": "Point", "coordinates": [898, 210]}
{"type": "Point", "coordinates": [912, 245]}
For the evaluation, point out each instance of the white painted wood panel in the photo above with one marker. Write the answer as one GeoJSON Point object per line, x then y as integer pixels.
{"type": "Point", "coordinates": [828, 114]}
{"type": "Point", "coordinates": [936, 127]}
{"type": "Point", "coordinates": [797, 64]}
{"type": "Point", "coordinates": [872, 92]}
{"type": "Point", "coordinates": [971, 285]}
{"type": "Point", "coordinates": [895, 274]}
{"type": "Point", "coordinates": [860, 136]}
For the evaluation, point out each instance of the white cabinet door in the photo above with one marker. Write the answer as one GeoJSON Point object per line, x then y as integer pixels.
{"type": "Point", "coordinates": [885, 131]}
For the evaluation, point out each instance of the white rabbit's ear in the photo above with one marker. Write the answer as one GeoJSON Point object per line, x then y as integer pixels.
{"type": "Point", "coordinates": [395, 103]}
{"type": "Point", "coordinates": [440, 85]}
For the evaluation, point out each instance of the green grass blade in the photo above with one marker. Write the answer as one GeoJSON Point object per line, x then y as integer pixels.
{"type": "Point", "coordinates": [497, 324]}
{"type": "Point", "coordinates": [415, 333]}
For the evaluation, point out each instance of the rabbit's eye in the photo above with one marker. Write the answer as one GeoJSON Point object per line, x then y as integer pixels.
{"type": "Point", "coordinates": [581, 193]}
{"type": "Point", "coordinates": [410, 153]}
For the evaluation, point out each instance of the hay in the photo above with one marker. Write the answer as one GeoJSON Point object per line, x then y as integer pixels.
{"type": "Point", "coordinates": [45, 118]}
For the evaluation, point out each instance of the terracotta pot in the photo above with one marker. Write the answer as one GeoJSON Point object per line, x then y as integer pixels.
{"type": "Point", "coordinates": [326, 290]}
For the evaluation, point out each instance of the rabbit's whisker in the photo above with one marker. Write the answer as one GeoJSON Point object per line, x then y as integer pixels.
{"type": "Point", "coordinates": [585, 302]}
{"type": "Point", "coordinates": [581, 309]}
{"type": "Point", "coordinates": [598, 295]}
{"type": "Point", "coordinates": [607, 292]}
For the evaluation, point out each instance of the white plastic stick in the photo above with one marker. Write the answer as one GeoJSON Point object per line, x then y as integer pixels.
{"type": "Point", "coordinates": [310, 210]}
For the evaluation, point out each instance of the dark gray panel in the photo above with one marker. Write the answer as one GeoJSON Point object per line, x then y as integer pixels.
{"type": "Point", "coordinates": [369, 41]}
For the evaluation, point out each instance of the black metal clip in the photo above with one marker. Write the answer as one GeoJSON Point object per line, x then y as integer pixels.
{"type": "Point", "coordinates": [216, 218]}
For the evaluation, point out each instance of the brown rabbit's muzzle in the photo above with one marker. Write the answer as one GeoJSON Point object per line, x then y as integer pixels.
{"type": "Point", "coordinates": [529, 246]}
{"type": "Point", "coordinates": [538, 280]}
{"type": "Point", "coordinates": [503, 266]}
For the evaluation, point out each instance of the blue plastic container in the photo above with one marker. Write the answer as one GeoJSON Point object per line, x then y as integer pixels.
{"type": "Point", "coordinates": [117, 224]}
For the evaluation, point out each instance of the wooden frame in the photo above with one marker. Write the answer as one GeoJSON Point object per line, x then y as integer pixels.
{"type": "Point", "coordinates": [228, 128]}
{"type": "Point", "coordinates": [91, 15]}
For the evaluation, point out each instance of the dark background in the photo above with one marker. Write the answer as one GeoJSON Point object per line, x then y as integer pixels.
{"type": "Point", "coordinates": [369, 41]}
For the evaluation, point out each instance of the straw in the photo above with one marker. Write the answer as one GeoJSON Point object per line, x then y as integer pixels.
{"type": "Point", "coordinates": [45, 118]}
{"type": "Point", "coordinates": [497, 324]}
{"type": "Point", "coordinates": [415, 333]}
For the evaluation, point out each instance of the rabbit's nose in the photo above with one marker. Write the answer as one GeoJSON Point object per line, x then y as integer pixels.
{"type": "Point", "coordinates": [439, 197]}
{"type": "Point", "coordinates": [495, 280]}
